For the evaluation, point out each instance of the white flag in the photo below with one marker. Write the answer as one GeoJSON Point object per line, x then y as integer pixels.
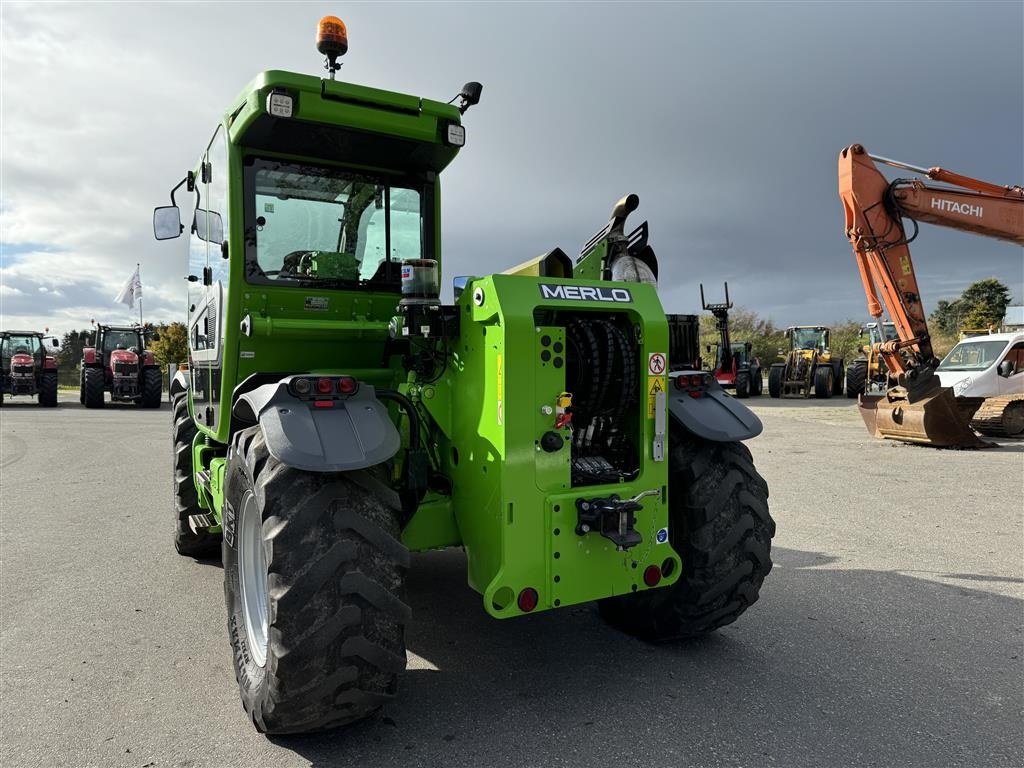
{"type": "Point", "coordinates": [132, 290]}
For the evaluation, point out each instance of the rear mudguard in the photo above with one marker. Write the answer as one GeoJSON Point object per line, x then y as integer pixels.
{"type": "Point", "coordinates": [355, 433]}
{"type": "Point", "coordinates": [714, 415]}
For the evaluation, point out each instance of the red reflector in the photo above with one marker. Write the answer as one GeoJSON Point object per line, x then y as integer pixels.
{"type": "Point", "coordinates": [695, 393]}
{"type": "Point", "coordinates": [323, 403]}
{"type": "Point", "coordinates": [528, 599]}
{"type": "Point", "coordinates": [324, 386]}
{"type": "Point", "coordinates": [680, 382]}
{"type": "Point", "coordinates": [347, 385]}
{"type": "Point", "coordinates": [652, 575]}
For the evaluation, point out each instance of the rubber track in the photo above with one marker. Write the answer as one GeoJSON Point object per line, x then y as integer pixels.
{"type": "Point", "coordinates": [1000, 417]}
{"type": "Point", "coordinates": [721, 527]}
{"type": "Point", "coordinates": [336, 590]}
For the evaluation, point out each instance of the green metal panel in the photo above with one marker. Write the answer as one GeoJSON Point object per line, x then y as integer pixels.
{"type": "Point", "coordinates": [505, 488]}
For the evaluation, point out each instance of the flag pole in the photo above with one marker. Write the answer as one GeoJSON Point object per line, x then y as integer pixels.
{"type": "Point", "coordinates": [138, 268]}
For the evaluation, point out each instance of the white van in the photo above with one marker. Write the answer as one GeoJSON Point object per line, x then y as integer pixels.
{"type": "Point", "coordinates": [985, 366]}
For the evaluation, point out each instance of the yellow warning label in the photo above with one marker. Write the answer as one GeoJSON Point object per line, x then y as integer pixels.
{"type": "Point", "coordinates": [655, 384]}
{"type": "Point", "coordinates": [905, 263]}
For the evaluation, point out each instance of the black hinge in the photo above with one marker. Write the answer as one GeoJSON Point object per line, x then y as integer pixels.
{"type": "Point", "coordinates": [207, 275]}
{"type": "Point", "coordinates": [191, 182]}
{"type": "Point", "coordinates": [209, 415]}
{"type": "Point", "coordinates": [207, 171]}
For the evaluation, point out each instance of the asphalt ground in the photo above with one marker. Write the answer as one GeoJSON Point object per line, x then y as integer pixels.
{"type": "Point", "coordinates": [888, 634]}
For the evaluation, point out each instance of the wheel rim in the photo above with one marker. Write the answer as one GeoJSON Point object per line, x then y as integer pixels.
{"type": "Point", "coordinates": [252, 573]}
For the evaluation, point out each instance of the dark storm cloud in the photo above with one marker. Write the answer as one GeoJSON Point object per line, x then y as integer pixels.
{"type": "Point", "coordinates": [726, 119]}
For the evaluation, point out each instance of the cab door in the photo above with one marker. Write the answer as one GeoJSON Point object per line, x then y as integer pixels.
{"type": "Point", "coordinates": [1013, 382]}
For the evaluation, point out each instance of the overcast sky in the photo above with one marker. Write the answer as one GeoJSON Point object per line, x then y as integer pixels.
{"type": "Point", "coordinates": [726, 119]}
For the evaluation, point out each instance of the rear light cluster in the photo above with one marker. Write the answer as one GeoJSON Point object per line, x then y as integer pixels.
{"type": "Point", "coordinates": [694, 384]}
{"type": "Point", "coordinates": [323, 388]}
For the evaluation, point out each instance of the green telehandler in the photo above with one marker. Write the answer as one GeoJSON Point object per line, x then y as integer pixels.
{"type": "Point", "coordinates": [336, 415]}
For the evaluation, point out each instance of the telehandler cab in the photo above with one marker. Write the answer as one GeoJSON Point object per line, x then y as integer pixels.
{"type": "Point", "coordinates": [336, 415]}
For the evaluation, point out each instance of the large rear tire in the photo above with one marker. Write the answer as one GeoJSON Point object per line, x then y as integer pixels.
{"type": "Point", "coordinates": [720, 526]}
{"type": "Point", "coordinates": [743, 384]}
{"type": "Point", "coordinates": [152, 388]}
{"type": "Point", "coordinates": [314, 577]}
{"type": "Point", "coordinates": [775, 380]}
{"type": "Point", "coordinates": [94, 381]}
{"type": "Point", "coordinates": [184, 495]}
{"type": "Point", "coordinates": [823, 378]}
{"type": "Point", "coordinates": [856, 378]}
{"type": "Point", "coordinates": [48, 390]}
{"type": "Point", "coordinates": [838, 379]}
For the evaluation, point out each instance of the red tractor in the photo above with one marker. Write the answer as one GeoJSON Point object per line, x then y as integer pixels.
{"type": "Point", "coordinates": [120, 364]}
{"type": "Point", "coordinates": [735, 367]}
{"type": "Point", "coordinates": [25, 368]}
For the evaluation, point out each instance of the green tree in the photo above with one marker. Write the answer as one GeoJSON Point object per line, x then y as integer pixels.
{"type": "Point", "coordinates": [172, 346]}
{"type": "Point", "coordinates": [72, 348]}
{"type": "Point", "coordinates": [981, 305]}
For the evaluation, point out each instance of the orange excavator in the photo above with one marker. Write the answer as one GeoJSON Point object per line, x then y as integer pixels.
{"type": "Point", "coordinates": [917, 409]}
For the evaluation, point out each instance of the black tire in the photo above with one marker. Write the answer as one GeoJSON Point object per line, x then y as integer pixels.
{"type": "Point", "coordinates": [81, 386]}
{"type": "Point", "coordinates": [152, 388]}
{"type": "Point", "coordinates": [336, 610]}
{"type": "Point", "coordinates": [775, 380]}
{"type": "Point", "coordinates": [48, 389]}
{"type": "Point", "coordinates": [94, 381]}
{"type": "Point", "coordinates": [757, 383]}
{"type": "Point", "coordinates": [720, 526]}
{"type": "Point", "coordinates": [838, 379]}
{"type": "Point", "coordinates": [743, 384]}
{"type": "Point", "coordinates": [856, 378]}
{"type": "Point", "coordinates": [185, 499]}
{"type": "Point", "coordinates": [823, 378]}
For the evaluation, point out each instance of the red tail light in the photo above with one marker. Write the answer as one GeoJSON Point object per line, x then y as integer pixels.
{"type": "Point", "coordinates": [347, 385]}
{"type": "Point", "coordinates": [652, 575]}
{"type": "Point", "coordinates": [528, 599]}
{"type": "Point", "coordinates": [324, 386]}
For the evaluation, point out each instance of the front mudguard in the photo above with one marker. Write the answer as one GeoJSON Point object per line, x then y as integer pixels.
{"type": "Point", "coordinates": [714, 415]}
{"type": "Point", "coordinates": [354, 433]}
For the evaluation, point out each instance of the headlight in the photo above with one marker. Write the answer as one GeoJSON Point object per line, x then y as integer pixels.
{"type": "Point", "coordinates": [456, 135]}
{"type": "Point", "coordinates": [962, 386]}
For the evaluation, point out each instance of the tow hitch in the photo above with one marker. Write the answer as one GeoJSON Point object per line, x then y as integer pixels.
{"type": "Point", "coordinates": [612, 517]}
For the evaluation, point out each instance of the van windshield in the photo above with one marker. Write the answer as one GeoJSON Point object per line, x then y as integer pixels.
{"type": "Point", "coordinates": [972, 356]}
{"type": "Point", "coordinates": [319, 225]}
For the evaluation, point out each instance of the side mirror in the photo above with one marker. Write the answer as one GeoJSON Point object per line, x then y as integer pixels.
{"type": "Point", "coordinates": [208, 226]}
{"type": "Point", "coordinates": [154, 337]}
{"type": "Point", "coordinates": [167, 222]}
{"type": "Point", "coordinates": [54, 342]}
{"type": "Point", "coordinates": [1006, 369]}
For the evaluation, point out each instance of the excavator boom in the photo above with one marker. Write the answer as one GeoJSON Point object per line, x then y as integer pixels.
{"type": "Point", "coordinates": [917, 409]}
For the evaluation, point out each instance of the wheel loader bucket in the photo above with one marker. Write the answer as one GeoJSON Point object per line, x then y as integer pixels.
{"type": "Point", "coordinates": [931, 418]}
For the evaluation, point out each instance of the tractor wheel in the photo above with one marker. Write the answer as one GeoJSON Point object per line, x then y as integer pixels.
{"type": "Point", "coordinates": [48, 390]}
{"type": "Point", "coordinates": [720, 526]}
{"type": "Point", "coordinates": [94, 380]}
{"type": "Point", "coordinates": [314, 577]}
{"type": "Point", "coordinates": [81, 386]}
{"type": "Point", "coordinates": [757, 383]}
{"type": "Point", "coordinates": [775, 380]}
{"type": "Point", "coordinates": [837, 380]}
{"type": "Point", "coordinates": [823, 378]}
{"type": "Point", "coordinates": [856, 378]}
{"type": "Point", "coordinates": [185, 497]}
{"type": "Point", "coordinates": [152, 388]}
{"type": "Point", "coordinates": [743, 384]}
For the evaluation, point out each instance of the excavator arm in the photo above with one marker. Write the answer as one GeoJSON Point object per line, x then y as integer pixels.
{"type": "Point", "coordinates": [875, 210]}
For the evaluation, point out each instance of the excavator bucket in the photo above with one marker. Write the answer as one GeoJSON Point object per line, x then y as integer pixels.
{"type": "Point", "coordinates": [932, 417]}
